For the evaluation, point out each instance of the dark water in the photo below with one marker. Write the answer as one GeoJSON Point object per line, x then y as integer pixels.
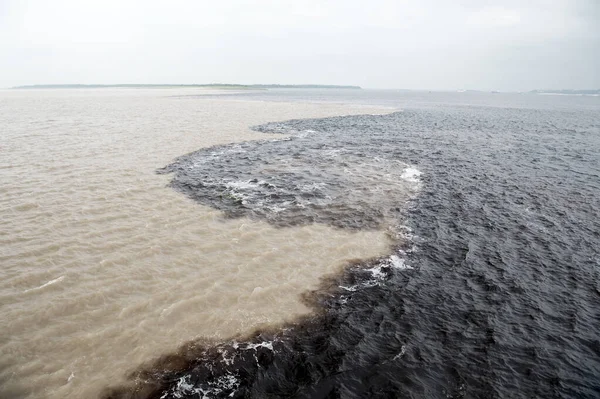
{"type": "Point", "coordinates": [354, 182]}
{"type": "Point", "coordinates": [493, 290]}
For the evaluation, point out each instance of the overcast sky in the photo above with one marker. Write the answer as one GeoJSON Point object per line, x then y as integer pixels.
{"type": "Point", "coordinates": [412, 44]}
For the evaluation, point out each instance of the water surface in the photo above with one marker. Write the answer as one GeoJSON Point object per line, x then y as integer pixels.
{"type": "Point", "coordinates": [104, 267]}
{"type": "Point", "coordinates": [492, 288]}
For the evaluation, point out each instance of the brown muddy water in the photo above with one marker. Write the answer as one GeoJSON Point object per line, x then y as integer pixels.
{"type": "Point", "coordinates": [103, 267]}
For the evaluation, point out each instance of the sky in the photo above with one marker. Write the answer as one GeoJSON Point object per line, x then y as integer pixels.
{"type": "Point", "coordinates": [510, 45]}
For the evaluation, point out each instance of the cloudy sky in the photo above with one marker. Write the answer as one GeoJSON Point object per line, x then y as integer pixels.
{"type": "Point", "coordinates": [412, 44]}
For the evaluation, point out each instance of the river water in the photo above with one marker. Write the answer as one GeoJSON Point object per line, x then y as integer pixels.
{"type": "Point", "coordinates": [423, 245]}
{"type": "Point", "coordinates": [104, 267]}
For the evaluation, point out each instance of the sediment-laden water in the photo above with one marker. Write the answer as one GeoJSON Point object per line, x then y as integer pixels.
{"type": "Point", "coordinates": [491, 290]}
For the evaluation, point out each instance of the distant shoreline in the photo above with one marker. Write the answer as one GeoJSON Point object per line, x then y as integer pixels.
{"type": "Point", "coordinates": [567, 92]}
{"type": "Point", "coordinates": [224, 86]}
{"type": "Point", "coordinates": [234, 86]}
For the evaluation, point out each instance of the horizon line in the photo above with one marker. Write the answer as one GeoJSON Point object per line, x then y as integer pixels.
{"type": "Point", "coordinates": [274, 85]}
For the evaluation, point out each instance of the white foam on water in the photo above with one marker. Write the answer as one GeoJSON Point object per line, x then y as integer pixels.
{"type": "Point", "coordinates": [56, 280]}
{"type": "Point", "coordinates": [411, 174]}
{"type": "Point", "coordinates": [332, 153]}
{"type": "Point", "coordinates": [377, 272]}
{"type": "Point", "coordinates": [228, 360]}
{"type": "Point", "coordinates": [227, 382]}
{"type": "Point", "coordinates": [399, 263]}
{"type": "Point", "coordinates": [185, 387]}
{"type": "Point", "coordinates": [395, 261]}
{"type": "Point", "coordinates": [266, 344]}
{"type": "Point", "coordinates": [276, 209]}
{"type": "Point", "coordinates": [243, 185]}
{"type": "Point", "coordinates": [402, 352]}
{"type": "Point", "coordinates": [302, 135]}
{"type": "Point", "coordinates": [282, 139]}
{"type": "Point", "coordinates": [313, 186]}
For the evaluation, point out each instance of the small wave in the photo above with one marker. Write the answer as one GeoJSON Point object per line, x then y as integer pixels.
{"type": "Point", "coordinates": [56, 280]}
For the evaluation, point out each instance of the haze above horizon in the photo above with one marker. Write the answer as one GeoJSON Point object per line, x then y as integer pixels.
{"type": "Point", "coordinates": [429, 45]}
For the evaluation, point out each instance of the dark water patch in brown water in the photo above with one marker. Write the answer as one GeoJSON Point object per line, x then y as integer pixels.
{"type": "Point", "coordinates": [310, 177]}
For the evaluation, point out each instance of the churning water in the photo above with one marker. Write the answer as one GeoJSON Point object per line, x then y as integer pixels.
{"type": "Point", "coordinates": [481, 214]}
